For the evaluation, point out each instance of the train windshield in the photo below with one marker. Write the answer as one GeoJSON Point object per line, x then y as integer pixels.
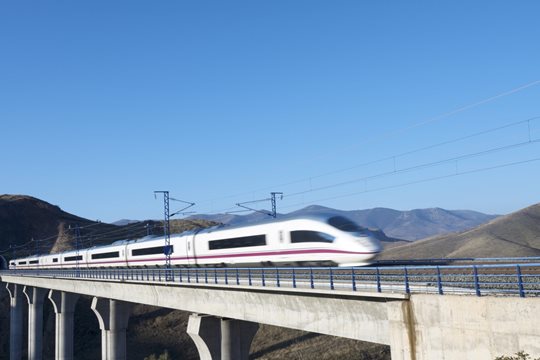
{"type": "Point", "coordinates": [346, 225]}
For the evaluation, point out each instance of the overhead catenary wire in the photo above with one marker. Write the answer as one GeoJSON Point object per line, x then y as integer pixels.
{"type": "Point", "coordinates": [388, 135]}
{"type": "Point", "coordinates": [420, 181]}
{"type": "Point", "coordinates": [393, 157]}
{"type": "Point", "coordinates": [416, 167]}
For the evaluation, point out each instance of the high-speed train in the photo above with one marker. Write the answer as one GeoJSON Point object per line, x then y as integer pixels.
{"type": "Point", "coordinates": [301, 241]}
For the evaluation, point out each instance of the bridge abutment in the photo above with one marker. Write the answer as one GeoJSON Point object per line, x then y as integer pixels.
{"type": "Point", "coordinates": [221, 338]}
{"type": "Point", "coordinates": [16, 321]}
{"type": "Point", "coordinates": [113, 317]}
{"type": "Point", "coordinates": [35, 297]}
{"type": "Point", "coordinates": [64, 309]}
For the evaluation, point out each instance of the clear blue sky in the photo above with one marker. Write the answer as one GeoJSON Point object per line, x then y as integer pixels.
{"type": "Point", "coordinates": [219, 102]}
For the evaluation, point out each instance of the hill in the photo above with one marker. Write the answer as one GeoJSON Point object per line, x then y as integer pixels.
{"type": "Point", "coordinates": [516, 234]}
{"type": "Point", "coordinates": [32, 226]}
{"type": "Point", "coordinates": [403, 225]}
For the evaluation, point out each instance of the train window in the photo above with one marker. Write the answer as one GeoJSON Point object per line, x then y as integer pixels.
{"type": "Point", "coordinates": [107, 255]}
{"type": "Point", "coordinates": [33, 262]}
{"type": "Point", "coordinates": [22, 262]}
{"type": "Point", "coordinates": [55, 260]}
{"type": "Point", "coordinates": [150, 251]}
{"type": "Point", "coordinates": [245, 241]}
{"type": "Point", "coordinates": [301, 236]}
{"type": "Point", "coordinates": [12, 263]}
{"type": "Point", "coordinates": [345, 224]}
{"type": "Point", "coordinates": [73, 258]}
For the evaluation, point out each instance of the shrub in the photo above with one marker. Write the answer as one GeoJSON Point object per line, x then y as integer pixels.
{"type": "Point", "coordinates": [164, 356]}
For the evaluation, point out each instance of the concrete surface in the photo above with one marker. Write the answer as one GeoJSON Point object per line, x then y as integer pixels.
{"type": "Point", "coordinates": [419, 327]}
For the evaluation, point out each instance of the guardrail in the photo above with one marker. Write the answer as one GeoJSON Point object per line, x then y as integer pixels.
{"type": "Point", "coordinates": [480, 280]}
{"type": "Point", "coordinates": [457, 261]}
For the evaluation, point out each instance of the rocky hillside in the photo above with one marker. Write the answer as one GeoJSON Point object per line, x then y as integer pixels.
{"type": "Point", "coordinates": [23, 218]}
{"type": "Point", "coordinates": [516, 234]}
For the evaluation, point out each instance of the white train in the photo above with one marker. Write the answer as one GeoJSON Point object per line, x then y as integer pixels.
{"type": "Point", "coordinates": [305, 241]}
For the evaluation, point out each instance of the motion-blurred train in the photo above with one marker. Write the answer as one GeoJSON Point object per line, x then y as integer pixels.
{"type": "Point", "coordinates": [302, 241]}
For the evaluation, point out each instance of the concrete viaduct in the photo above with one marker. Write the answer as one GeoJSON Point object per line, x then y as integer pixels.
{"type": "Point", "coordinates": [225, 319]}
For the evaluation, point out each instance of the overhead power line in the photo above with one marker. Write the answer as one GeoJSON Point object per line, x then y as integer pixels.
{"type": "Point", "coordinates": [527, 135]}
{"type": "Point", "coordinates": [389, 134]}
{"type": "Point", "coordinates": [272, 200]}
{"type": "Point", "coordinates": [416, 167]}
{"type": "Point", "coordinates": [515, 163]}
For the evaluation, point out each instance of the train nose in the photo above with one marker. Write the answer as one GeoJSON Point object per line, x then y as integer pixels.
{"type": "Point", "coordinates": [370, 243]}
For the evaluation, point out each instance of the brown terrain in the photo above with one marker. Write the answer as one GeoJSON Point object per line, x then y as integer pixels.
{"type": "Point", "coordinates": [516, 234]}
{"type": "Point", "coordinates": [153, 332]}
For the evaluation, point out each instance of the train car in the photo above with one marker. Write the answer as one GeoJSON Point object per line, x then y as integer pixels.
{"type": "Point", "coordinates": [107, 256]}
{"type": "Point", "coordinates": [72, 259]}
{"type": "Point", "coordinates": [151, 251]}
{"type": "Point", "coordinates": [50, 261]}
{"type": "Point", "coordinates": [31, 262]}
{"type": "Point", "coordinates": [331, 240]}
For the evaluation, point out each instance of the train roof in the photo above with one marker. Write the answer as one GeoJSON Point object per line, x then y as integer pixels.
{"type": "Point", "coordinates": [319, 217]}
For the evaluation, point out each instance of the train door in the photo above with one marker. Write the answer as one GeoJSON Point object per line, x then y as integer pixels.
{"type": "Point", "coordinates": [190, 250]}
{"type": "Point", "coordinates": [124, 256]}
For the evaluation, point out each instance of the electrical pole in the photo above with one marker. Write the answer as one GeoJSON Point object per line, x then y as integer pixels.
{"type": "Point", "coordinates": [77, 239]}
{"type": "Point", "coordinates": [273, 194]}
{"type": "Point", "coordinates": [148, 229]}
{"type": "Point", "coordinates": [166, 232]}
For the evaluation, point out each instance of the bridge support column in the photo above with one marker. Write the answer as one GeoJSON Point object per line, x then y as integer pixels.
{"type": "Point", "coordinates": [221, 339]}
{"type": "Point", "coordinates": [64, 309]}
{"type": "Point", "coordinates": [15, 321]}
{"type": "Point", "coordinates": [113, 317]}
{"type": "Point", "coordinates": [35, 298]}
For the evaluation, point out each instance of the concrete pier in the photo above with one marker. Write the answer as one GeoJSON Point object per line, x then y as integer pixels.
{"type": "Point", "coordinates": [16, 321]}
{"type": "Point", "coordinates": [221, 338]}
{"type": "Point", "coordinates": [113, 317]}
{"type": "Point", "coordinates": [35, 297]}
{"type": "Point", "coordinates": [64, 309]}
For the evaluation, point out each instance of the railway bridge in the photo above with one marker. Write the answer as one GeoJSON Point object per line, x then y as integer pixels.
{"type": "Point", "coordinates": [421, 312]}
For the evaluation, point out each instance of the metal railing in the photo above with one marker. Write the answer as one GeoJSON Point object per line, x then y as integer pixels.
{"type": "Point", "coordinates": [509, 279]}
{"type": "Point", "coordinates": [457, 261]}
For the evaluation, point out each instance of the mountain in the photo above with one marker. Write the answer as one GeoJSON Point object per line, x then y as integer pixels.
{"type": "Point", "coordinates": [123, 222]}
{"type": "Point", "coordinates": [516, 234]}
{"type": "Point", "coordinates": [406, 225]}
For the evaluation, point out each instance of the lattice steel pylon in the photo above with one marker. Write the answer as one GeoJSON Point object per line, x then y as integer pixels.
{"type": "Point", "coordinates": [77, 244]}
{"type": "Point", "coordinates": [273, 199]}
{"type": "Point", "coordinates": [166, 232]}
